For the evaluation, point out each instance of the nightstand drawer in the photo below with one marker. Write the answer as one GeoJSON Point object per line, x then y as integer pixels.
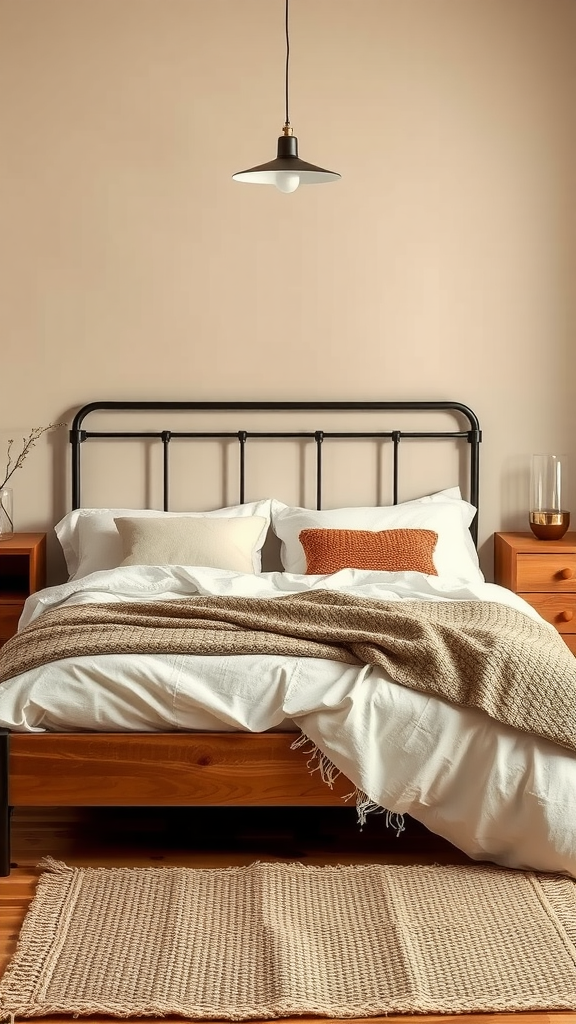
{"type": "Point", "coordinates": [559, 609]}
{"type": "Point", "coordinates": [555, 571]}
{"type": "Point", "coordinates": [9, 616]}
{"type": "Point", "coordinates": [543, 572]}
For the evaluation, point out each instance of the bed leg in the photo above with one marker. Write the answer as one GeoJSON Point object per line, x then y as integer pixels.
{"type": "Point", "coordinates": [4, 805]}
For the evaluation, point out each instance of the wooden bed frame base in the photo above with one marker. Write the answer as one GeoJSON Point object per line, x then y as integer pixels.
{"type": "Point", "coordinates": [156, 770]}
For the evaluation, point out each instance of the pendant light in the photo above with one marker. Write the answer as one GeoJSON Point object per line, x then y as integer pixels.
{"type": "Point", "coordinates": [287, 171]}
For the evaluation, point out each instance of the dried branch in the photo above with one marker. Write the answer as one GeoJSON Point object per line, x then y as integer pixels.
{"type": "Point", "coordinates": [15, 462]}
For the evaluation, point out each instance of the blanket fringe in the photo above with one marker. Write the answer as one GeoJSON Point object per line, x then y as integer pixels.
{"type": "Point", "coordinates": [396, 821]}
{"type": "Point", "coordinates": [319, 762]}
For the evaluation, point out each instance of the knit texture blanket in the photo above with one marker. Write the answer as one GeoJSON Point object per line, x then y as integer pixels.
{"type": "Point", "coordinates": [476, 653]}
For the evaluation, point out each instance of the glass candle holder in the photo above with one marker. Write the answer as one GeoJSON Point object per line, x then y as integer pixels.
{"type": "Point", "coordinates": [549, 519]}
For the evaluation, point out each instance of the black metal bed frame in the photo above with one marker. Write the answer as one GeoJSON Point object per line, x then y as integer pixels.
{"type": "Point", "coordinates": [473, 435]}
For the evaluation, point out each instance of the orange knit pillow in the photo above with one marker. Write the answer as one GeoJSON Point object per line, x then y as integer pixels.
{"type": "Point", "coordinates": [328, 551]}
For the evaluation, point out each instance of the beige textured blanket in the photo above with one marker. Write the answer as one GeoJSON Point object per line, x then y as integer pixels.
{"type": "Point", "coordinates": [475, 653]}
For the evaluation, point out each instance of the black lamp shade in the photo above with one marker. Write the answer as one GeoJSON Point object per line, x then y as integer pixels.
{"type": "Point", "coordinates": [287, 171]}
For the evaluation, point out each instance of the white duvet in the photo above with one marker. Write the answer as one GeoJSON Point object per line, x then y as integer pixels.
{"type": "Point", "coordinates": [493, 791]}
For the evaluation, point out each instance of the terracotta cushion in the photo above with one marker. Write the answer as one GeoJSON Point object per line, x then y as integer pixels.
{"type": "Point", "coordinates": [403, 550]}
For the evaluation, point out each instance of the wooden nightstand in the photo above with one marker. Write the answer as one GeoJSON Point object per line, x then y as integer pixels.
{"type": "Point", "coordinates": [543, 572]}
{"type": "Point", "coordinates": [22, 571]}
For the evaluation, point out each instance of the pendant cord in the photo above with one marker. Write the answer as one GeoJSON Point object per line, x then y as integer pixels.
{"type": "Point", "coordinates": [287, 119]}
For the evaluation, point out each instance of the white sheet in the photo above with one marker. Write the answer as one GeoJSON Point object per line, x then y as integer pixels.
{"type": "Point", "coordinates": [494, 792]}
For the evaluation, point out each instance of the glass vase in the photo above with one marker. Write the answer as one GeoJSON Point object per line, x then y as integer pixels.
{"type": "Point", "coordinates": [549, 519]}
{"type": "Point", "coordinates": [6, 513]}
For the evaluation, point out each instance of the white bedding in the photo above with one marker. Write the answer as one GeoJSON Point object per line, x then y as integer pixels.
{"type": "Point", "coordinates": [494, 792]}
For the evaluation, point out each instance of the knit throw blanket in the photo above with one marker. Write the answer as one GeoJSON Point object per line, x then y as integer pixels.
{"type": "Point", "coordinates": [475, 653]}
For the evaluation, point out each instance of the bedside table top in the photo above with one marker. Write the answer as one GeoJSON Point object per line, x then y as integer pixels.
{"type": "Point", "coordinates": [21, 544]}
{"type": "Point", "coordinates": [526, 541]}
{"type": "Point", "coordinates": [18, 543]}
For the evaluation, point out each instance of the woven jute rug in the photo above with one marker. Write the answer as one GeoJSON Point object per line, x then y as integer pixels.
{"type": "Point", "coordinates": [278, 939]}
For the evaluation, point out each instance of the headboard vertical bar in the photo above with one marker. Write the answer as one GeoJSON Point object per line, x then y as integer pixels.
{"type": "Point", "coordinates": [319, 437]}
{"type": "Point", "coordinates": [395, 441]}
{"type": "Point", "coordinates": [76, 438]}
{"type": "Point", "coordinates": [166, 438]}
{"type": "Point", "coordinates": [242, 436]}
{"type": "Point", "coordinates": [475, 436]}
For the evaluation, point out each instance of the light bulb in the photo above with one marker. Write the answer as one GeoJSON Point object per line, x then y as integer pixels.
{"type": "Point", "coordinates": [286, 181]}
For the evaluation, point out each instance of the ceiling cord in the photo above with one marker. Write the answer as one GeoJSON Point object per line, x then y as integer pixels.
{"type": "Point", "coordinates": [287, 120]}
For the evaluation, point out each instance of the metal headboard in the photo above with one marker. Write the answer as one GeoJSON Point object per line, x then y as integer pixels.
{"type": "Point", "coordinates": [473, 435]}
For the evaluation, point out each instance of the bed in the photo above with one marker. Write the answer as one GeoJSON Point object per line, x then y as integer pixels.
{"type": "Point", "coordinates": [276, 702]}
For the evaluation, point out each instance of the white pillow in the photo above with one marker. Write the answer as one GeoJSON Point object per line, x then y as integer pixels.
{"type": "Point", "coordinates": [445, 513]}
{"type": "Point", "coordinates": [90, 540]}
{"type": "Point", "coordinates": [214, 541]}
{"type": "Point", "coordinates": [467, 511]}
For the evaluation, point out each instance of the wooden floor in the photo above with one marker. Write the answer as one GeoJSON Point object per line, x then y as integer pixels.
{"type": "Point", "coordinates": [210, 838]}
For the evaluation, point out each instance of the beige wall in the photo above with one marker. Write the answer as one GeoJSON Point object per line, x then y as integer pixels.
{"type": "Point", "coordinates": [442, 265]}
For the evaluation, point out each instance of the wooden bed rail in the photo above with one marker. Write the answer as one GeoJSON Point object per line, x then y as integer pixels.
{"type": "Point", "coordinates": [164, 769]}
{"type": "Point", "coordinates": [157, 770]}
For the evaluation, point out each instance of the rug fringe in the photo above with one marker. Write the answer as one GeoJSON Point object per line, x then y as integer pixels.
{"type": "Point", "coordinates": [53, 865]}
{"type": "Point", "coordinates": [318, 761]}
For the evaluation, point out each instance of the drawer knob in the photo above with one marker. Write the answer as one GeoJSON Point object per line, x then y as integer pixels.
{"type": "Point", "coordinates": [566, 615]}
{"type": "Point", "coordinates": [566, 574]}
